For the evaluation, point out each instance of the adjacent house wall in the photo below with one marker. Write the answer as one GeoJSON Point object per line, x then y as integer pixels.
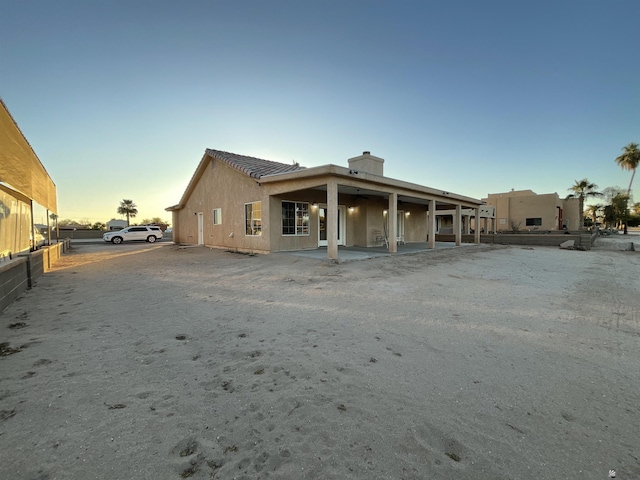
{"type": "Point", "coordinates": [514, 208]}
{"type": "Point", "coordinates": [572, 213]}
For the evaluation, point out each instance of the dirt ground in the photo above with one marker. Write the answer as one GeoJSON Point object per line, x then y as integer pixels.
{"type": "Point", "coordinates": [480, 362]}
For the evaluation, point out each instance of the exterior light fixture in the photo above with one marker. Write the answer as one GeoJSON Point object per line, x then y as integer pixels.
{"type": "Point", "coordinates": [384, 212]}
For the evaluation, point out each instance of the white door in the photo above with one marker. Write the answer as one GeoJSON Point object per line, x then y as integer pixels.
{"type": "Point", "coordinates": [200, 228]}
{"type": "Point", "coordinates": [400, 227]}
{"type": "Point", "coordinates": [322, 225]}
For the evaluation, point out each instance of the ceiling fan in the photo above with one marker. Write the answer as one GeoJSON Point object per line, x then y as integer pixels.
{"type": "Point", "coordinates": [357, 195]}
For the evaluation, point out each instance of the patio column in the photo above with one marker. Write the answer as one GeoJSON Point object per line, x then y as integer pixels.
{"type": "Point", "coordinates": [431, 227]}
{"type": "Point", "coordinates": [332, 220]}
{"type": "Point", "coordinates": [393, 222]}
{"type": "Point", "coordinates": [476, 238]}
{"type": "Point", "coordinates": [457, 225]}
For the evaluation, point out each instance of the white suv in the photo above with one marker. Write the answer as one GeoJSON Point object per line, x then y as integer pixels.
{"type": "Point", "coordinates": [150, 233]}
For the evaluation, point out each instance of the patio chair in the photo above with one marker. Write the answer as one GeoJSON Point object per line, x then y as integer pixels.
{"type": "Point", "coordinates": [379, 238]}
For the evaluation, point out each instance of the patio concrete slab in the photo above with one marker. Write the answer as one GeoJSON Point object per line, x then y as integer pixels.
{"type": "Point", "coordinates": [347, 254]}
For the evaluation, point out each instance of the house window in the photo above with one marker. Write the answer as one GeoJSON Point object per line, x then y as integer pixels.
{"type": "Point", "coordinates": [533, 222]}
{"type": "Point", "coordinates": [295, 218]}
{"type": "Point", "coordinates": [253, 218]}
{"type": "Point", "coordinates": [217, 216]}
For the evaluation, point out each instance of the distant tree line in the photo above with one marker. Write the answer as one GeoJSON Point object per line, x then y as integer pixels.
{"type": "Point", "coordinates": [87, 225]}
{"type": "Point", "coordinates": [127, 208]}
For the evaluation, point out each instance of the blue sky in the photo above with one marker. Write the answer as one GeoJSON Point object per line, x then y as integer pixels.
{"type": "Point", "coordinates": [119, 99]}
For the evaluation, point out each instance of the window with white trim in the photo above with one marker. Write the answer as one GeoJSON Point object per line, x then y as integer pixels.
{"type": "Point", "coordinates": [253, 218]}
{"type": "Point", "coordinates": [295, 218]}
{"type": "Point", "coordinates": [217, 216]}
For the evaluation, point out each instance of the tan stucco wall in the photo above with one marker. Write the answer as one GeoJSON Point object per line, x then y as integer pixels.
{"type": "Point", "coordinates": [572, 213]}
{"type": "Point", "coordinates": [415, 224]}
{"type": "Point", "coordinates": [517, 206]}
{"type": "Point", "coordinates": [222, 187]}
{"type": "Point", "coordinates": [281, 242]}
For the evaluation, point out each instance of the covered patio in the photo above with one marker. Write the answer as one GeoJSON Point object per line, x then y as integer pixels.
{"type": "Point", "coordinates": [358, 207]}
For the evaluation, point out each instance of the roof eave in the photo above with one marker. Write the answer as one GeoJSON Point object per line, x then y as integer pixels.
{"type": "Point", "coordinates": [192, 183]}
{"type": "Point", "coordinates": [367, 177]}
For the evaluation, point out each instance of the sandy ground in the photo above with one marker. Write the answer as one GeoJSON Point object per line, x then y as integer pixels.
{"type": "Point", "coordinates": [481, 362]}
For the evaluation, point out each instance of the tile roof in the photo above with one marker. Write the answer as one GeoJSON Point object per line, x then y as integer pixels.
{"type": "Point", "coordinates": [254, 167]}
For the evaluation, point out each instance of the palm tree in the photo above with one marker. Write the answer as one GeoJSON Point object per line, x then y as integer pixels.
{"type": "Point", "coordinates": [582, 190]}
{"type": "Point", "coordinates": [629, 160]}
{"type": "Point", "coordinates": [128, 208]}
{"type": "Point", "coordinates": [593, 211]}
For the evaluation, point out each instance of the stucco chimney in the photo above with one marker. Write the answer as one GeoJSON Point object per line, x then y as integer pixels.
{"type": "Point", "coordinates": [367, 163]}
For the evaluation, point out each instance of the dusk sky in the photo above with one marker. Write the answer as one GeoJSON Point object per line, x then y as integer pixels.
{"type": "Point", "coordinates": [120, 99]}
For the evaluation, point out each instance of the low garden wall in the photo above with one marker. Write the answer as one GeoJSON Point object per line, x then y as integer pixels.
{"type": "Point", "coordinates": [541, 240]}
{"type": "Point", "coordinates": [19, 273]}
{"type": "Point", "coordinates": [78, 234]}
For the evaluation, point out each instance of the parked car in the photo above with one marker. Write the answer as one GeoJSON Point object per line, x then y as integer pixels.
{"type": "Point", "coordinates": [37, 239]}
{"type": "Point", "coordinates": [149, 233]}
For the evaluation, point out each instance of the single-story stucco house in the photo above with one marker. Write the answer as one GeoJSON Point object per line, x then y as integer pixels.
{"type": "Point", "coordinates": [526, 210]}
{"type": "Point", "coordinates": [115, 224]}
{"type": "Point", "coordinates": [250, 204]}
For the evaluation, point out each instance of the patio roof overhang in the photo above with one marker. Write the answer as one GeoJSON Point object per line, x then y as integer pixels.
{"type": "Point", "coordinates": [358, 183]}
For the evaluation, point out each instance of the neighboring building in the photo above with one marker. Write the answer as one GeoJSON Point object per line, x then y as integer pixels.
{"type": "Point", "coordinates": [526, 210]}
{"type": "Point", "coordinates": [23, 181]}
{"type": "Point", "coordinates": [250, 204]}
{"type": "Point", "coordinates": [115, 224]}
